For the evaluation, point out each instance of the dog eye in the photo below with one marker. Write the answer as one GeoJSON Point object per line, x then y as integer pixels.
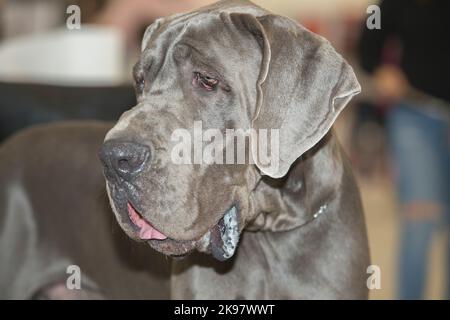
{"type": "Point", "coordinates": [206, 82]}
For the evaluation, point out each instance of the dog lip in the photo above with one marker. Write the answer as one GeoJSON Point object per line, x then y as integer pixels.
{"type": "Point", "coordinates": [146, 230]}
{"type": "Point", "coordinates": [122, 201]}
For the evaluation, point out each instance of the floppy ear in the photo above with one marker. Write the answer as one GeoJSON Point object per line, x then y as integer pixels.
{"type": "Point", "coordinates": [303, 85]}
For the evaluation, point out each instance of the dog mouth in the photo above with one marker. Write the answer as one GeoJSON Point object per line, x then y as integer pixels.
{"type": "Point", "coordinates": [146, 230]}
{"type": "Point", "coordinates": [220, 241]}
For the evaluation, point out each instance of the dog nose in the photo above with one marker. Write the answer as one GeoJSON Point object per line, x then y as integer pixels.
{"type": "Point", "coordinates": [124, 159]}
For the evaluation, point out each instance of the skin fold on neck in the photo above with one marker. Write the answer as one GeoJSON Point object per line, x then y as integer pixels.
{"type": "Point", "coordinates": [294, 200]}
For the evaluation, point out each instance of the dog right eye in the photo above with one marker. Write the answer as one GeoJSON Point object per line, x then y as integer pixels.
{"type": "Point", "coordinates": [204, 81]}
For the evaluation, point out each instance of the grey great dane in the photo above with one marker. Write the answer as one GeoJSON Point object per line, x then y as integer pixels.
{"type": "Point", "coordinates": [232, 231]}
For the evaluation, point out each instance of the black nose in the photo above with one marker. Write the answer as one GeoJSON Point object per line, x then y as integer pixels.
{"type": "Point", "coordinates": [123, 159]}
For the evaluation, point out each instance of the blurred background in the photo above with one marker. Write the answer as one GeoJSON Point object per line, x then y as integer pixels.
{"type": "Point", "coordinates": [396, 132]}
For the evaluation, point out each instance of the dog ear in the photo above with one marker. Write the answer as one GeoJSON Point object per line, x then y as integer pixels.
{"type": "Point", "coordinates": [303, 85]}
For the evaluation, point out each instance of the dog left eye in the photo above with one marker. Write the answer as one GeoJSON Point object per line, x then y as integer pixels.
{"type": "Point", "coordinates": [204, 81]}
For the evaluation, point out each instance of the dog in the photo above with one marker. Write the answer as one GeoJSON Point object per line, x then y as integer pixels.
{"type": "Point", "coordinates": [253, 230]}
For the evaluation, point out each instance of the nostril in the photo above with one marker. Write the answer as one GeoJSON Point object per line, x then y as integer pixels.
{"type": "Point", "coordinates": [123, 164]}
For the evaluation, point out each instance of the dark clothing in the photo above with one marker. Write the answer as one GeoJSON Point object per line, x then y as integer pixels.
{"type": "Point", "coordinates": [423, 30]}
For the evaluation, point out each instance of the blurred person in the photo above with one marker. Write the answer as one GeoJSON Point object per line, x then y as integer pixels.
{"type": "Point", "coordinates": [416, 87]}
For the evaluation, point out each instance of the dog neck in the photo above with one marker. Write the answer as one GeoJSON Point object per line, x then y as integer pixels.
{"type": "Point", "coordinates": [303, 194]}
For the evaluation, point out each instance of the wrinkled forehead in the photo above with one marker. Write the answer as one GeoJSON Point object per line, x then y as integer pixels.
{"type": "Point", "coordinates": [195, 28]}
{"type": "Point", "coordinates": [210, 35]}
{"type": "Point", "coordinates": [180, 21]}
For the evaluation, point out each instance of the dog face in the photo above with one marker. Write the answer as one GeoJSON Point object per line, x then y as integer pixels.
{"type": "Point", "coordinates": [209, 71]}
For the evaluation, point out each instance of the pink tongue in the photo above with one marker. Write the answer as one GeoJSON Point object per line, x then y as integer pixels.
{"type": "Point", "coordinates": [146, 232]}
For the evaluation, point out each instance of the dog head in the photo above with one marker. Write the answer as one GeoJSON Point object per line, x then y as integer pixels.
{"type": "Point", "coordinates": [225, 95]}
